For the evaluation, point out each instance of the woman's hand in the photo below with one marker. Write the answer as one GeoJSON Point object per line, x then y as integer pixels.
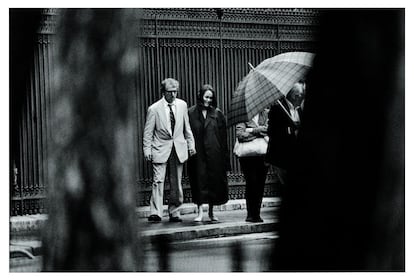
{"type": "Point", "coordinates": [261, 130]}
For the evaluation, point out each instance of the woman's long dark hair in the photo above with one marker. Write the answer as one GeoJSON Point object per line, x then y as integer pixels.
{"type": "Point", "coordinates": [201, 92]}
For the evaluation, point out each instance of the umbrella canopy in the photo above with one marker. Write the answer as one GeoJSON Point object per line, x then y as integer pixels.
{"type": "Point", "coordinates": [269, 81]}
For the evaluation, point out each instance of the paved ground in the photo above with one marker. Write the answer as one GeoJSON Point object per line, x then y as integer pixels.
{"type": "Point", "coordinates": [247, 252]}
{"type": "Point", "coordinates": [206, 245]}
{"type": "Point", "coordinates": [230, 223]}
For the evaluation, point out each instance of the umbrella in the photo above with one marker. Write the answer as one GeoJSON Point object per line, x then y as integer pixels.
{"type": "Point", "coordinates": [267, 83]}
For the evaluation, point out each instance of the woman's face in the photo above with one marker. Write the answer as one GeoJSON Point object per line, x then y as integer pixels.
{"type": "Point", "coordinates": [207, 98]}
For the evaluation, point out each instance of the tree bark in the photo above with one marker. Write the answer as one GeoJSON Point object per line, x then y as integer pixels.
{"type": "Point", "coordinates": [92, 224]}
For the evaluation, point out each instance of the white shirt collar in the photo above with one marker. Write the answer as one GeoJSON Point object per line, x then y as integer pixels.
{"type": "Point", "coordinates": [294, 114]}
{"type": "Point", "coordinates": [291, 106]}
{"type": "Point", "coordinates": [166, 103]}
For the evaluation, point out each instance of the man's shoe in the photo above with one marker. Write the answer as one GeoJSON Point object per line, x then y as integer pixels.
{"type": "Point", "coordinates": [154, 218]}
{"type": "Point", "coordinates": [175, 219]}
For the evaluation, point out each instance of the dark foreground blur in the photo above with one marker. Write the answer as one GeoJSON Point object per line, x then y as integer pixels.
{"type": "Point", "coordinates": [348, 182]}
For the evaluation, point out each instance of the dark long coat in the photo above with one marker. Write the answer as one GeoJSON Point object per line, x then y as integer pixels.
{"type": "Point", "coordinates": [207, 168]}
{"type": "Point", "coordinates": [282, 140]}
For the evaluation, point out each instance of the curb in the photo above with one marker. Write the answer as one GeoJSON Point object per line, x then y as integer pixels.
{"type": "Point", "coordinates": [30, 249]}
{"type": "Point", "coordinates": [26, 227]}
{"type": "Point", "coordinates": [207, 231]}
{"type": "Point", "coordinates": [29, 227]}
{"type": "Point", "coordinates": [190, 208]}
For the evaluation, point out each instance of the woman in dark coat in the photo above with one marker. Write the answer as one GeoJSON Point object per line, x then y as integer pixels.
{"type": "Point", "coordinates": [207, 169]}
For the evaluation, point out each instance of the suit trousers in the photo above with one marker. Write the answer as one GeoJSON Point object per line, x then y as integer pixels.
{"type": "Point", "coordinates": [255, 171]}
{"type": "Point", "coordinates": [175, 172]}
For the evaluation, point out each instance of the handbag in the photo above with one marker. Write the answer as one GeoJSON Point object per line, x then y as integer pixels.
{"type": "Point", "coordinates": [255, 147]}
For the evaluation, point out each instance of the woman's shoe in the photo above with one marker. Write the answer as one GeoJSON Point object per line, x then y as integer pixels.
{"type": "Point", "coordinates": [210, 213]}
{"type": "Point", "coordinates": [213, 218]}
{"type": "Point", "coordinates": [249, 219]}
{"type": "Point", "coordinates": [254, 219]}
{"type": "Point", "coordinates": [198, 219]}
{"type": "Point", "coordinates": [258, 220]}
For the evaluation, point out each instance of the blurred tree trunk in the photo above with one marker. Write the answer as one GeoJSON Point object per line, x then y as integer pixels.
{"type": "Point", "coordinates": [92, 224]}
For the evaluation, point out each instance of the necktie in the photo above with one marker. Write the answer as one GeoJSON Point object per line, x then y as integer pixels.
{"type": "Point", "coordinates": [172, 119]}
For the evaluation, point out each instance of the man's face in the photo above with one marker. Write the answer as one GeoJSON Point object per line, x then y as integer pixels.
{"type": "Point", "coordinates": [170, 93]}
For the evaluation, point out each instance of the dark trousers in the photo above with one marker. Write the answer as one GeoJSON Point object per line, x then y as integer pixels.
{"type": "Point", "coordinates": [254, 171]}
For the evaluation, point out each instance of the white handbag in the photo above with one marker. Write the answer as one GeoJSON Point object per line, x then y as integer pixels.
{"type": "Point", "coordinates": [255, 147]}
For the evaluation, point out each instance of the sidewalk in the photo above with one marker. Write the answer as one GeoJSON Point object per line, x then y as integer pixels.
{"type": "Point", "coordinates": [230, 223]}
{"type": "Point", "coordinates": [25, 231]}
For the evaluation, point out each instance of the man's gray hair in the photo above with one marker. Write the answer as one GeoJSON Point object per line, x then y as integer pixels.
{"type": "Point", "coordinates": [169, 82]}
{"type": "Point", "coordinates": [298, 87]}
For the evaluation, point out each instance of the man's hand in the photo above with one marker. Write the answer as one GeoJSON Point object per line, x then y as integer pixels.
{"type": "Point", "coordinates": [148, 157]}
{"type": "Point", "coordinates": [191, 152]}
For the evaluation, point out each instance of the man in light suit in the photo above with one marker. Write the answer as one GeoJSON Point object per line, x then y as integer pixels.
{"type": "Point", "coordinates": [167, 142]}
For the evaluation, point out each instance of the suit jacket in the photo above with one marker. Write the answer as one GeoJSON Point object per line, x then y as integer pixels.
{"type": "Point", "coordinates": [158, 140]}
{"type": "Point", "coordinates": [282, 139]}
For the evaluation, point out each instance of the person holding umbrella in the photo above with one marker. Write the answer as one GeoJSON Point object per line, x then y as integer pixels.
{"type": "Point", "coordinates": [207, 169]}
{"type": "Point", "coordinates": [284, 124]}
